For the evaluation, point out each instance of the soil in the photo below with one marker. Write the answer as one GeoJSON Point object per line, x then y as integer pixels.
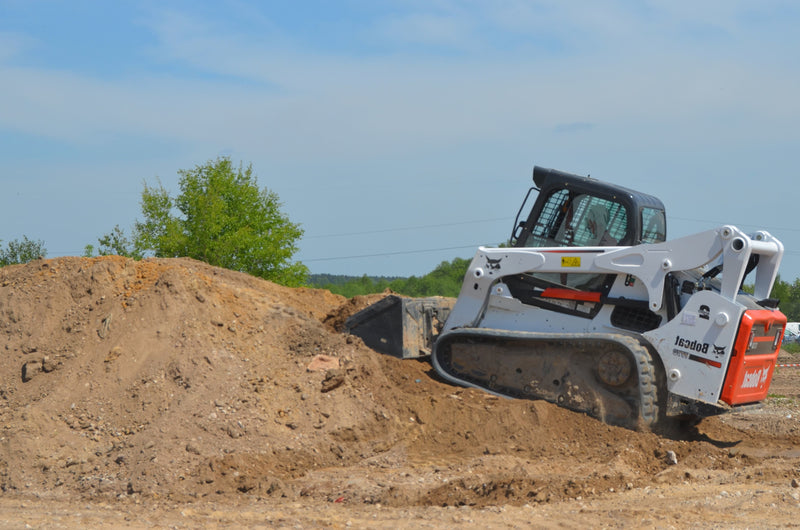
{"type": "Point", "coordinates": [169, 393]}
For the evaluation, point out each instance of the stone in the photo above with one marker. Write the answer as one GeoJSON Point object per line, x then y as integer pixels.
{"type": "Point", "coordinates": [671, 458]}
{"type": "Point", "coordinates": [321, 363]}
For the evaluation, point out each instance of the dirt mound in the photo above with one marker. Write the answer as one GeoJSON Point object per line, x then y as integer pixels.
{"type": "Point", "coordinates": [175, 379]}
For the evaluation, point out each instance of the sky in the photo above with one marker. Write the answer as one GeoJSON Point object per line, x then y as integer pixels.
{"type": "Point", "coordinates": [402, 133]}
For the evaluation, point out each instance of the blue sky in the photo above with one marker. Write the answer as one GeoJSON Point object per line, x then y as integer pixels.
{"type": "Point", "coordinates": [399, 134]}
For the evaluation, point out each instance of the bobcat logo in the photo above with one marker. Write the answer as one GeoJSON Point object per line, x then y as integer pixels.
{"type": "Point", "coordinates": [493, 264]}
{"type": "Point", "coordinates": [719, 350]}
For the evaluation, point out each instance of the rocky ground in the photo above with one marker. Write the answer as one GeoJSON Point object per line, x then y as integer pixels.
{"type": "Point", "coordinates": [168, 393]}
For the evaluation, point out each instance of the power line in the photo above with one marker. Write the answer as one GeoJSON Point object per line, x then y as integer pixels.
{"type": "Point", "coordinates": [496, 219]}
{"type": "Point", "coordinates": [399, 252]}
{"type": "Point", "coordinates": [408, 228]}
{"type": "Point", "coordinates": [735, 224]}
{"type": "Point", "coordinates": [424, 227]}
{"type": "Point", "coordinates": [422, 251]}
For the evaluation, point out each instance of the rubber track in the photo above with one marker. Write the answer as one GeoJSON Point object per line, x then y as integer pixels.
{"type": "Point", "coordinates": [648, 398]}
{"type": "Point", "coordinates": [648, 384]}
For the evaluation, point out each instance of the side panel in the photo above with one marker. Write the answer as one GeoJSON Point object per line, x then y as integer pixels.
{"type": "Point", "coordinates": [695, 347]}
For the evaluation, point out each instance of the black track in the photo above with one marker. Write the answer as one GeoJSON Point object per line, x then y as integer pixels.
{"type": "Point", "coordinates": [608, 376]}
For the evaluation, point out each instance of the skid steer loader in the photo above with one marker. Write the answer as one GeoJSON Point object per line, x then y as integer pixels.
{"type": "Point", "coordinates": [591, 308]}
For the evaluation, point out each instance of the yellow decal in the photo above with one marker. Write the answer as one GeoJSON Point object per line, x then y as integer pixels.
{"type": "Point", "coordinates": [570, 261]}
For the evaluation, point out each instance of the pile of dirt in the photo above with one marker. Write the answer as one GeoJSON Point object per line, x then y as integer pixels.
{"type": "Point", "coordinates": [175, 379]}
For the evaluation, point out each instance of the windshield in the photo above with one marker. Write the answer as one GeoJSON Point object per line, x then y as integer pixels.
{"type": "Point", "coordinates": [581, 220]}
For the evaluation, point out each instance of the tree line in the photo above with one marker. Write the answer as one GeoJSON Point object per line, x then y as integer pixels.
{"type": "Point", "coordinates": [444, 280]}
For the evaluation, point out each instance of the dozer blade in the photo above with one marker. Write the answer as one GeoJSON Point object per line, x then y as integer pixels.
{"type": "Point", "coordinates": [403, 327]}
{"type": "Point", "coordinates": [608, 376]}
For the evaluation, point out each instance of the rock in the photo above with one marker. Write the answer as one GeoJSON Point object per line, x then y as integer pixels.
{"type": "Point", "coordinates": [333, 380]}
{"type": "Point", "coordinates": [30, 369]}
{"type": "Point", "coordinates": [113, 354]}
{"type": "Point", "coordinates": [321, 363]}
{"type": "Point", "coordinates": [105, 327]}
{"type": "Point", "coordinates": [48, 365]}
{"type": "Point", "coordinates": [671, 458]}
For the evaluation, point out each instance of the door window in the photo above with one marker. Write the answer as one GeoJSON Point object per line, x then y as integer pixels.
{"type": "Point", "coordinates": [654, 226]}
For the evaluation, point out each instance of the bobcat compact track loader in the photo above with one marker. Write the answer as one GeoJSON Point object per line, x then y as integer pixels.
{"type": "Point", "coordinates": [593, 309]}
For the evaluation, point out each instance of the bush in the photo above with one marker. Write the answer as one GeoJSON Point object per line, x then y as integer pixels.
{"type": "Point", "coordinates": [22, 251]}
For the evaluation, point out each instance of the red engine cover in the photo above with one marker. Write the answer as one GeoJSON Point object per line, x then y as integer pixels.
{"type": "Point", "coordinates": [754, 356]}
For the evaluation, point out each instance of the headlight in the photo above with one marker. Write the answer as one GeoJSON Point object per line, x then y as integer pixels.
{"type": "Point", "coordinates": [777, 340]}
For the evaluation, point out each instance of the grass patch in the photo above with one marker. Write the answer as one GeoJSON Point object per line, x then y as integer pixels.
{"type": "Point", "coordinates": [791, 347]}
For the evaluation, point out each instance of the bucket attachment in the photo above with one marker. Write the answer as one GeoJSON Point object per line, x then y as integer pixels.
{"type": "Point", "coordinates": [403, 327]}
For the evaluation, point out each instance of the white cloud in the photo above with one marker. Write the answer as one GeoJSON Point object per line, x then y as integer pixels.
{"type": "Point", "coordinates": [256, 93]}
{"type": "Point", "coordinates": [341, 106]}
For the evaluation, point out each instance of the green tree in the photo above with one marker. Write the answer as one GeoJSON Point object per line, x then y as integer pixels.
{"type": "Point", "coordinates": [22, 251]}
{"type": "Point", "coordinates": [115, 243]}
{"type": "Point", "coordinates": [224, 219]}
{"type": "Point", "coordinates": [789, 296]}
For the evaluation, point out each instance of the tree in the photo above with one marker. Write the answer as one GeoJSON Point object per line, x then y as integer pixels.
{"type": "Point", "coordinates": [789, 296]}
{"type": "Point", "coordinates": [225, 220]}
{"type": "Point", "coordinates": [115, 243]}
{"type": "Point", "coordinates": [22, 251]}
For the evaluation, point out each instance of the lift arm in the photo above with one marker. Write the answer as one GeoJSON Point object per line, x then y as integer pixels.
{"type": "Point", "coordinates": [650, 263]}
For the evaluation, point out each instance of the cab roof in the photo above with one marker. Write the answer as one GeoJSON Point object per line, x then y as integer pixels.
{"type": "Point", "coordinates": [547, 179]}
